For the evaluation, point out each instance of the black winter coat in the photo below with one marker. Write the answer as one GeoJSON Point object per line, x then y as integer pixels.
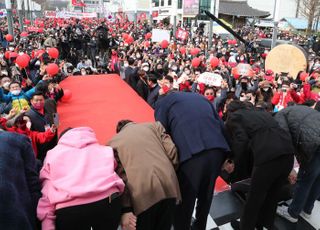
{"type": "Point", "coordinates": [257, 132]}
{"type": "Point", "coordinates": [303, 124]}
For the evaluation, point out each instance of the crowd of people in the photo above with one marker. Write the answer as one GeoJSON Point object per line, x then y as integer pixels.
{"type": "Point", "coordinates": [150, 175]}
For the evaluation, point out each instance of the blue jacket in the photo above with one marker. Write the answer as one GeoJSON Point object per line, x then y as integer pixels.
{"type": "Point", "coordinates": [192, 122]}
{"type": "Point", "coordinates": [19, 183]}
{"type": "Point", "coordinates": [18, 101]}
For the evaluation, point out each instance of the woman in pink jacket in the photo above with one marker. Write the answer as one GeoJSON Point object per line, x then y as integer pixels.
{"type": "Point", "coordinates": [80, 189]}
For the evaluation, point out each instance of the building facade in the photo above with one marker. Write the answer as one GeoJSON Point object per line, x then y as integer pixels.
{"type": "Point", "coordinates": [285, 8]}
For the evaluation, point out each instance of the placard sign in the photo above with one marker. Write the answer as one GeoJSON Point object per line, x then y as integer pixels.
{"type": "Point", "coordinates": [160, 35]}
{"type": "Point", "coordinates": [210, 79]}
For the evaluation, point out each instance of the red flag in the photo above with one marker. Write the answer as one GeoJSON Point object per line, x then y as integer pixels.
{"type": "Point", "coordinates": [78, 3]}
{"type": "Point", "coordinates": [182, 34]}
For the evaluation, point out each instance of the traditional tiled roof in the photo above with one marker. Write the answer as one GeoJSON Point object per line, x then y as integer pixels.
{"type": "Point", "coordinates": [240, 9]}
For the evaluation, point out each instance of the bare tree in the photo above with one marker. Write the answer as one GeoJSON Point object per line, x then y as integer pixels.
{"type": "Point", "coordinates": [309, 9]}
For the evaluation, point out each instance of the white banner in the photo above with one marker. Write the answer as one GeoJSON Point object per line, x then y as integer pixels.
{"type": "Point", "coordinates": [160, 35]}
{"type": "Point", "coordinates": [211, 79]}
{"type": "Point", "coordinates": [69, 14]}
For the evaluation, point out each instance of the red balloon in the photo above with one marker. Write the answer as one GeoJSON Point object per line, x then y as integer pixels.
{"type": "Point", "coordinates": [129, 40]}
{"type": "Point", "coordinates": [13, 55]}
{"type": "Point", "coordinates": [7, 54]}
{"type": "Point", "coordinates": [40, 30]}
{"type": "Point", "coordinates": [125, 36]}
{"type": "Point", "coordinates": [24, 34]}
{"type": "Point", "coordinates": [39, 53]}
{"type": "Point", "coordinates": [147, 44]}
{"type": "Point", "coordinates": [232, 42]}
{"type": "Point", "coordinates": [52, 69]}
{"type": "Point", "coordinates": [27, 22]}
{"type": "Point", "coordinates": [148, 35]}
{"type": "Point", "coordinates": [214, 62]}
{"type": "Point", "coordinates": [235, 73]}
{"type": "Point", "coordinates": [303, 76]}
{"type": "Point", "coordinates": [53, 53]}
{"type": "Point", "coordinates": [196, 62]}
{"type": "Point", "coordinates": [182, 50]}
{"type": "Point", "coordinates": [9, 37]}
{"type": "Point", "coordinates": [67, 95]}
{"type": "Point", "coordinates": [195, 51]}
{"type": "Point", "coordinates": [23, 60]}
{"type": "Point", "coordinates": [164, 44]}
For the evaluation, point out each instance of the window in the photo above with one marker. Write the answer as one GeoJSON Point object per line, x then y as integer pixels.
{"type": "Point", "coordinates": [162, 2]}
{"type": "Point", "coordinates": [205, 5]}
{"type": "Point", "coordinates": [179, 4]}
{"type": "Point", "coordinates": [155, 3]}
{"type": "Point", "coordinates": [169, 2]}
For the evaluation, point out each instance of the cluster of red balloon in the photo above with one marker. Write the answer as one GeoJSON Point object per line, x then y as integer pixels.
{"type": "Point", "coordinates": [127, 38]}
{"type": "Point", "coordinates": [214, 62]}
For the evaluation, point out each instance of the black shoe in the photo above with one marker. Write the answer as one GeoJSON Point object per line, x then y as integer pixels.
{"type": "Point", "coordinates": [235, 224]}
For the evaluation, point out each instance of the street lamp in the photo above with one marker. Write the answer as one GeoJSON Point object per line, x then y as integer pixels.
{"type": "Point", "coordinates": [9, 16]}
{"type": "Point", "coordinates": [275, 25]}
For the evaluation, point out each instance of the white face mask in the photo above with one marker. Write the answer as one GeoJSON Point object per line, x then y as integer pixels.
{"type": "Point", "coordinates": [174, 68]}
{"type": "Point", "coordinates": [16, 92]}
{"type": "Point", "coordinates": [126, 64]}
{"type": "Point", "coordinates": [21, 53]}
{"type": "Point", "coordinates": [37, 63]}
{"type": "Point", "coordinates": [1, 55]}
{"type": "Point", "coordinates": [6, 85]}
{"type": "Point", "coordinates": [146, 69]}
{"type": "Point", "coordinates": [265, 89]}
{"type": "Point", "coordinates": [11, 49]}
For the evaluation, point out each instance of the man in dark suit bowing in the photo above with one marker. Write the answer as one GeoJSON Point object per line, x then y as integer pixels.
{"type": "Point", "coordinates": [199, 135]}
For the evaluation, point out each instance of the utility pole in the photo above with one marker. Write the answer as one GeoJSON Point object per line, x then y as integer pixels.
{"type": "Point", "coordinates": [214, 9]}
{"type": "Point", "coordinates": [150, 12]}
{"type": "Point", "coordinates": [275, 25]}
{"type": "Point", "coordinates": [298, 7]}
{"type": "Point", "coordinates": [136, 11]}
{"type": "Point", "coordinates": [26, 9]}
{"type": "Point", "coordinates": [20, 13]}
{"type": "Point", "coordinates": [31, 9]}
{"type": "Point", "coordinates": [175, 10]}
{"type": "Point", "coordinates": [9, 16]}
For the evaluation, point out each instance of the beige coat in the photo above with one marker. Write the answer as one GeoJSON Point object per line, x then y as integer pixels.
{"type": "Point", "coordinates": [148, 157]}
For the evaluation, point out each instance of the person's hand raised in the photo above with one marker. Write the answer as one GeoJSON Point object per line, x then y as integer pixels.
{"type": "Point", "coordinates": [12, 113]}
